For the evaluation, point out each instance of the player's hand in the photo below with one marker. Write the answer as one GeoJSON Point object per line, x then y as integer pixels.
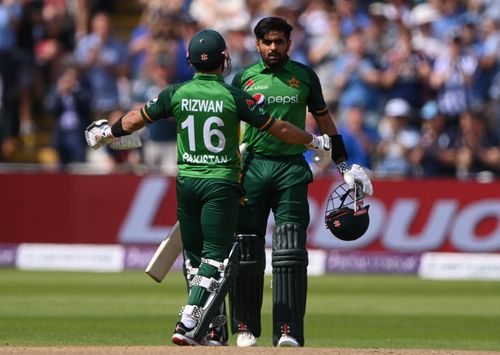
{"type": "Point", "coordinates": [98, 133]}
{"type": "Point", "coordinates": [357, 175]}
{"type": "Point", "coordinates": [323, 142]}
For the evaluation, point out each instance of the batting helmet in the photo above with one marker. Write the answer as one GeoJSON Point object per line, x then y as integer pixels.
{"type": "Point", "coordinates": [345, 215]}
{"type": "Point", "coordinates": [207, 47]}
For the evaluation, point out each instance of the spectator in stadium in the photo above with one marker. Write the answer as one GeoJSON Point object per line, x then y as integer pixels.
{"type": "Point", "coordinates": [70, 105]}
{"type": "Point", "coordinates": [10, 15]}
{"type": "Point", "coordinates": [27, 75]}
{"type": "Point", "coordinates": [300, 40]}
{"type": "Point", "coordinates": [159, 140]}
{"type": "Point", "coordinates": [405, 72]}
{"type": "Point", "coordinates": [313, 18]}
{"type": "Point", "coordinates": [380, 35]}
{"type": "Point", "coordinates": [360, 140]}
{"type": "Point", "coordinates": [138, 42]}
{"type": "Point", "coordinates": [324, 49]}
{"type": "Point", "coordinates": [187, 28]}
{"type": "Point", "coordinates": [221, 15]}
{"type": "Point", "coordinates": [353, 17]}
{"type": "Point", "coordinates": [55, 42]}
{"type": "Point", "coordinates": [433, 156]}
{"type": "Point", "coordinates": [422, 17]}
{"type": "Point", "coordinates": [450, 18]}
{"type": "Point", "coordinates": [357, 79]}
{"type": "Point", "coordinates": [241, 52]}
{"type": "Point", "coordinates": [398, 12]}
{"type": "Point", "coordinates": [477, 147]}
{"type": "Point", "coordinates": [103, 58]}
{"type": "Point", "coordinates": [484, 46]}
{"type": "Point", "coordinates": [275, 178]}
{"type": "Point", "coordinates": [397, 140]}
{"type": "Point", "coordinates": [452, 76]}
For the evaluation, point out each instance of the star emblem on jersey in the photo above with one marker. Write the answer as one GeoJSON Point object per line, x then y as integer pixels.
{"type": "Point", "coordinates": [294, 83]}
{"type": "Point", "coordinates": [204, 56]}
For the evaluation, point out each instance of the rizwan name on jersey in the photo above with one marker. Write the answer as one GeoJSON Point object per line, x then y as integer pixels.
{"type": "Point", "coordinates": [199, 105]}
{"type": "Point", "coordinates": [204, 159]}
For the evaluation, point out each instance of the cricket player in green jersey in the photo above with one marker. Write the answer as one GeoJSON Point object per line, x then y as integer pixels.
{"type": "Point", "coordinates": [275, 178]}
{"type": "Point", "coordinates": [208, 114]}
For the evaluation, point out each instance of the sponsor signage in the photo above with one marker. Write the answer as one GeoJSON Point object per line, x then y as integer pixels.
{"type": "Point", "coordinates": [70, 257]}
{"type": "Point", "coordinates": [408, 216]}
{"type": "Point", "coordinates": [460, 266]}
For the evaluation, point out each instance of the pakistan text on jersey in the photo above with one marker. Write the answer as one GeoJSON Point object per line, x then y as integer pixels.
{"type": "Point", "coordinates": [204, 159]}
{"type": "Point", "coordinates": [199, 105]}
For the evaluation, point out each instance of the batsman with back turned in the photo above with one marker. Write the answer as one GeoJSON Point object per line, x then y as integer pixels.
{"type": "Point", "coordinates": [207, 113]}
{"type": "Point", "coordinates": [275, 178]}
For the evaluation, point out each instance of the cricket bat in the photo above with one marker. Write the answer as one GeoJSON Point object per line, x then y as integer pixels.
{"type": "Point", "coordinates": [166, 254]}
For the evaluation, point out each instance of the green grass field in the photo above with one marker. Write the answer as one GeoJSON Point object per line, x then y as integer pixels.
{"type": "Point", "coordinates": [343, 311]}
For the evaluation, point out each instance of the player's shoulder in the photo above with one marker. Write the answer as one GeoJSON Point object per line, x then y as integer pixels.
{"type": "Point", "coordinates": [253, 67]}
{"type": "Point", "coordinates": [301, 69]}
{"type": "Point", "coordinates": [172, 89]}
{"type": "Point", "coordinates": [250, 70]}
{"type": "Point", "coordinates": [235, 91]}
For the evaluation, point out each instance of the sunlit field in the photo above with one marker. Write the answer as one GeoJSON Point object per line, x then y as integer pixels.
{"type": "Point", "coordinates": [343, 311]}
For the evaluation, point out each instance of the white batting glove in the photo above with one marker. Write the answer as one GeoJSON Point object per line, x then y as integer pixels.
{"type": "Point", "coordinates": [98, 133]}
{"type": "Point", "coordinates": [357, 175]}
{"type": "Point", "coordinates": [323, 142]}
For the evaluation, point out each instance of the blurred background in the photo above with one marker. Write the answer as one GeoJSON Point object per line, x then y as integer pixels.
{"type": "Point", "coordinates": [414, 87]}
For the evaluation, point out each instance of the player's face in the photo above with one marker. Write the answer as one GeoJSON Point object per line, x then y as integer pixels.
{"type": "Point", "coordinates": [273, 49]}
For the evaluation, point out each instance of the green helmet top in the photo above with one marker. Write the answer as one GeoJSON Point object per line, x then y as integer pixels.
{"type": "Point", "coordinates": [206, 47]}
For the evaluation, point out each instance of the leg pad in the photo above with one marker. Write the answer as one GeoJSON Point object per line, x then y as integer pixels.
{"type": "Point", "coordinates": [245, 297]}
{"type": "Point", "coordinates": [289, 262]}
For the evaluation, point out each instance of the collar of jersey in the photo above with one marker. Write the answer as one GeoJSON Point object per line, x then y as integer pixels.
{"type": "Point", "coordinates": [265, 69]}
{"type": "Point", "coordinates": [203, 76]}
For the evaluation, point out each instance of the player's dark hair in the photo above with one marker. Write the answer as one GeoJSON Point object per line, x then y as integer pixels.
{"type": "Point", "coordinates": [268, 24]}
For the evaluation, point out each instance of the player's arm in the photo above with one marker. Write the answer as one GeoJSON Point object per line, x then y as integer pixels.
{"type": "Point", "coordinates": [291, 134]}
{"type": "Point", "coordinates": [326, 125]}
{"type": "Point", "coordinates": [100, 133]}
{"type": "Point", "coordinates": [353, 174]}
{"type": "Point", "coordinates": [132, 121]}
{"type": "Point", "coordinates": [317, 106]}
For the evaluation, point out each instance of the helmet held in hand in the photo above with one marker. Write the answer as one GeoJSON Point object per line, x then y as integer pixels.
{"type": "Point", "coordinates": [346, 216]}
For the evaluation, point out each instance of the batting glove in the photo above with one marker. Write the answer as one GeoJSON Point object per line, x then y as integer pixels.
{"type": "Point", "coordinates": [98, 133]}
{"type": "Point", "coordinates": [357, 175]}
{"type": "Point", "coordinates": [323, 142]}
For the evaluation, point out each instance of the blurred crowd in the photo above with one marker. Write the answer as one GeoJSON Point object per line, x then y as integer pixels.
{"type": "Point", "coordinates": [414, 85]}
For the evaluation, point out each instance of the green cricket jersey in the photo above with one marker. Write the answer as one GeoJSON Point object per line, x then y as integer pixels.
{"type": "Point", "coordinates": [208, 114]}
{"type": "Point", "coordinates": [285, 95]}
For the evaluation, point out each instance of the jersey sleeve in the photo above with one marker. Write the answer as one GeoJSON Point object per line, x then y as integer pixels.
{"type": "Point", "coordinates": [159, 107]}
{"type": "Point", "coordinates": [316, 102]}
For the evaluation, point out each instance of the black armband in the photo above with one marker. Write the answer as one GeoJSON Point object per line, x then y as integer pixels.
{"type": "Point", "coordinates": [117, 129]}
{"type": "Point", "coordinates": [339, 153]}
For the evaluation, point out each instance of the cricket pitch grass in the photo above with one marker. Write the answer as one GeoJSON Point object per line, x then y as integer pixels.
{"type": "Point", "coordinates": [129, 313]}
